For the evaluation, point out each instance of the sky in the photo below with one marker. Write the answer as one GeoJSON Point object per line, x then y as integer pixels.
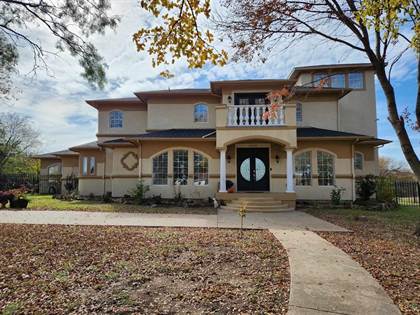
{"type": "Point", "coordinates": [54, 99]}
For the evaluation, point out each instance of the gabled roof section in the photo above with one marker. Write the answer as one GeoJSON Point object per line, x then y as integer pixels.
{"type": "Point", "coordinates": [319, 133]}
{"type": "Point", "coordinates": [178, 134]}
{"type": "Point", "coordinates": [356, 66]}
{"type": "Point", "coordinates": [309, 90]}
{"type": "Point", "coordinates": [130, 101]}
{"type": "Point", "coordinates": [94, 145]}
{"type": "Point", "coordinates": [55, 155]}
{"type": "Point", "coordinates": [145, 95]}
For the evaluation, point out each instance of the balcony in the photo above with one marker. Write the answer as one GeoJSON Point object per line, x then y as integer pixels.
{"type": "Point", "coordinates": [252, 115]}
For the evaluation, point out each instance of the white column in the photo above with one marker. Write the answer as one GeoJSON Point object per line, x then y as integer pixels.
{"type": "Point", "coordinates": [222, 171]}
{"type": "Point", "coordinates": [289, 166]}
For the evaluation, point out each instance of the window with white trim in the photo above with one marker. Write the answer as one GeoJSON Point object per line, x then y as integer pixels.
{"type": "Point", "coordinates": [355, 80]}
{"type": "Point", "coordinates": [201, 169]}
{"type": "Point", "coordinates": [88, 166]}
{"type": "Point", "coordinates": [160, 169]}
{"type": "Point", "coordinates": [326, 173]}
{"type": "Point", "coordinates": [303, 169]}
{"type": "Point", "coordinates": [358, 161]}
{"type": "Point", "coordinates": [299, 116]}
{"type": "Point", "coordinates": [116, 119]}
{"type": "Point", "coordinates": [201, 112]}
{"type": "Point", "coordinates": [180, 167]}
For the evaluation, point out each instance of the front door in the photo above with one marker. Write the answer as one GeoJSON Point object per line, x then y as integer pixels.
{"type": "Point", "coordinates": [253, 169]}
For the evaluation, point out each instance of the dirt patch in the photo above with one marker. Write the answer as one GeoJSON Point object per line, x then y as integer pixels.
{"type": "Point", "coordinates": [84, 269]}
{"type": "Point", "coordinates": [387, 249]}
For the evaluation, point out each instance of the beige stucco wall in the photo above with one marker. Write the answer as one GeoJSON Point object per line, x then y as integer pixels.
{"type": "Point", "coordinates": [320, 114]}
{"type": "Point", "coordinates": [178, 112]}
{"type": "Point", "coordinates": [370, 160]}
{"type": "Point", "coordinates": [358, 109]}
{"type": "Point", "coordinates": [134, 122]}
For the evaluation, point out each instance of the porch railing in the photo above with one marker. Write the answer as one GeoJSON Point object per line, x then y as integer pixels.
{"type": "Point", "coordinates": [253, 115]}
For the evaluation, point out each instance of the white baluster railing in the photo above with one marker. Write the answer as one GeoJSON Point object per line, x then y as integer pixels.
{"type": "Point", "coordinates": [252, 115]}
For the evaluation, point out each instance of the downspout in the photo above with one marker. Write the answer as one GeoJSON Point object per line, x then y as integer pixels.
{"type": "Point", "coordinates": [353, 174]}
{"type": "Point", "coordinates": [104, 175]}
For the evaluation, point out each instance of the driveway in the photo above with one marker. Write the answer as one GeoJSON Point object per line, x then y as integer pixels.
{"type": "Point", "coordinates": [291, 220]}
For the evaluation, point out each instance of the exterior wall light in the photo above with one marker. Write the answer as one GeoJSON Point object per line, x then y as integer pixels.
{"type": "Point", "coordinates": [228, 158]}
{"type": "Point", "coordinates": [230, 99]}
{"type": "Point", "coordinates": [277, 158]}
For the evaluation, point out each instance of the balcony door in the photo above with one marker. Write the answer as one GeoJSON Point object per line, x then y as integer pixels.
{"type": "Point", "coordinates": [253, 169]}
{"type": "Point", "coordinates": [251, 99]}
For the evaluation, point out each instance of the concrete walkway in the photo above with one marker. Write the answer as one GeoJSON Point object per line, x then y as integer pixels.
{"type": "Point", "coordinates": [325, 280]}
{"type": "Point", "coordinates": [292, 220]}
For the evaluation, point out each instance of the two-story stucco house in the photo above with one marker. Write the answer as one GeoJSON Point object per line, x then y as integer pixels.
{"type": "Point", "coordinates": [202, 140]}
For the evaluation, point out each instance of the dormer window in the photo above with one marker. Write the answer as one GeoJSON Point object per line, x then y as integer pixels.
{"type": "Point", "coordinates": [318, 77]}
{"type": "Point", "coordinates": [115, 119]}
{"type": "Point", "coordinates": [201, 113]}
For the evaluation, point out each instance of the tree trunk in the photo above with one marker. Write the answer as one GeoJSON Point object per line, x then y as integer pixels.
{"type": "Point", "coordinates": [397, 122]}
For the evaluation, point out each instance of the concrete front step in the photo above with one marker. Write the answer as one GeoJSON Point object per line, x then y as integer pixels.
{"type": "Point", "coordinates": [258, 209]}
{"type": "Point", "coordinates": [257, 206]}
{"type": "Point", "coordinates": [256, 203]}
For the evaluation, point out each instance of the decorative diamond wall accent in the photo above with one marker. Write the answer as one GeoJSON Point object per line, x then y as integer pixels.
{"type": "Point", "coordinates": [130, 161]}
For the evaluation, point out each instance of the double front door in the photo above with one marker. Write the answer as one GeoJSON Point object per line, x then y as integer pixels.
{"type": "Point", "coordinates": [253, 169]}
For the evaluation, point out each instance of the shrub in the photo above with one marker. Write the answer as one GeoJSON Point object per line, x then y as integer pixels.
{"type": "Point", "coordinates": [336, 195]}
{"type": "Point", "coordinates": [385, 189]}
{"type": "Point", "coordinates": [5, 197]}
{"type": "Point", "coordinates": [367, 187]}
{"type": "Point", "coordinates": [107, 198]}
{"type": "Point", "coordinates": [70, 183]}
{"type": "Point", "coordinates": [138, 194]}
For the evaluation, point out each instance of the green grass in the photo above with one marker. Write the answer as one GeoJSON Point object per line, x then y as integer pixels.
{"type": "Point", "coordinates": [403, 215]}
{"type": "Point", "coordinates": [47, 202]}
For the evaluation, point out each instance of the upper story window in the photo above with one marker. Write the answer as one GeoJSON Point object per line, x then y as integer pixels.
{"type": "Point", "coordinates": [88, 166]}
{"type": "Point", "coordinates": [326, 173]}
{"type": "Point", "coordinates": [338, 80]}
{"type": "Point", "coordinates": [356, 80]}
{"type": "Point", "coordinates": [201, 113]}
{"type": "Point", "coordinates": [303, 169]}
{"type": "Point", "coordinates": [358, 161]}
{"type": "Point", "coordinates": [115, 119]}
{"type": "Point", "coordinates": [299, 116]}
{"type": "Point", "coordinates": [318, 77]}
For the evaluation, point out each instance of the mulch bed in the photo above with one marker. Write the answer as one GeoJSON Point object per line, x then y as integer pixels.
{"type": "Point", "coordinates": [390, 253]}
{"type": "Point", "coordinates": [85, 269]}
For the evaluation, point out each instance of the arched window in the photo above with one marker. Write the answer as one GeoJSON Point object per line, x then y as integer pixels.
{"type": "Point", "coordinates": [115, 119]}
{"type": "Point", "coordinates": [160, 169]}
{"type": "Point", "coordinates": [201, 113]}
{"type": "Point", "coordinates": [303, 169]}
{"type": "Point", "coordinates": [201, 169]}
{"type": "Point", "coordinates": [326, 173]}
{"type": "Point", "coordinates": [358, 161]}
{"type": "Point", "coordinates": [299, 116]}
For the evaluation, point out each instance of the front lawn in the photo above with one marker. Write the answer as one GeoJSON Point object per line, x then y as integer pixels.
{"type": "Point", "coordinates": [384, 244]}
{"type": "Point", "coordinates": [85, 269]}
{"type": "Point", "coordinates": [47, 202]}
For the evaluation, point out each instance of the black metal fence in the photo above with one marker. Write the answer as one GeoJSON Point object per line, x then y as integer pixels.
{"type": "Point", "coordinates": [43, 184]}
{"type": "Point", "coordinates": [403, 192]}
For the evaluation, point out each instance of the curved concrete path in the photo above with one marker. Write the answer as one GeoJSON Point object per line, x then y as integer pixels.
{"type": "Point", "coordinates": [325, 280]}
